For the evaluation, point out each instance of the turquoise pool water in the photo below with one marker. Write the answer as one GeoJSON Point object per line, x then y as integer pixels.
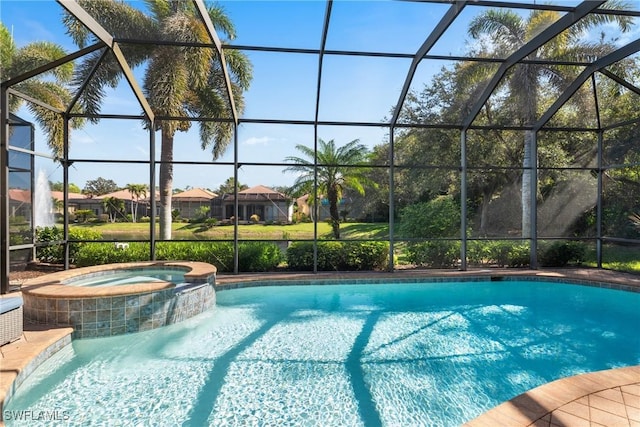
{"type": "Point", "coordinates": [128, 277]}
{"type": "Point", "coordinates": [345, 355]}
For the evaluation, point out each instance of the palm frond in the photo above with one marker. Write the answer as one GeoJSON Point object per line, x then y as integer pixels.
{"type": "Point", "coordinates": [504, 26]}
{"type": "Point", "coordinates": [119, 18]}
{"type": "Point", "coordinates": [160, 9]}
{"type": "Point", "coordinates": [221, 22]}
{"type": "Point", "coordinates": [37, 54]}
{"type": "Point", "coordinates": [7, 51]}
{"type": "Point", "coordinates": [623, 22]}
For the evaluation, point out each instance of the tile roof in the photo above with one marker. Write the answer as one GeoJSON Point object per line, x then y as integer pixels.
{"type": "Point", "coordinates": [195, 193]}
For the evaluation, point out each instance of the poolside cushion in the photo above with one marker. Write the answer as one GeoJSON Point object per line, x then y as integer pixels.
{"type": "Point", "coordinates": [11, 319]}
{"type": "Point", "coordinates": [10, 303]}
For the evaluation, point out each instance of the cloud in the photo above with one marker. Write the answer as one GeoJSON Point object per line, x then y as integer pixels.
{"type": "Point", "coordinates": [142, 150]}
{"type": "Point", "coordinates": [82, 138]}
{"type": "Point", "coordinates": [262, 140]}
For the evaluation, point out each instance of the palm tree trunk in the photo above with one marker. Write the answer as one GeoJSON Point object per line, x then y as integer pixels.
{"type": "Point", "coordinates": [166, 185]}
{"type": "Point", "coordinates": [332, 195]}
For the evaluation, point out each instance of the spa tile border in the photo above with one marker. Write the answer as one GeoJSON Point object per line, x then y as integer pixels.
{"type": "Point", "coordinates": [52, 285]}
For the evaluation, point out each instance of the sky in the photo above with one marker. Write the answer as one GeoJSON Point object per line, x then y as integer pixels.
{"type": "Point", "coordinates": [358, 89]}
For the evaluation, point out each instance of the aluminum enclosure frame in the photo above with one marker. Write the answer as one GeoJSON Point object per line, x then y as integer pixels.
{"type": "Point", "coordinates": [112, 44]}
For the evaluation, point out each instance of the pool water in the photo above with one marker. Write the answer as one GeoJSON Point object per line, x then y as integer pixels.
{"type": "Point", "coordinates": [341, 355]}
{"type": "Point", "coordinates": [128, 277]}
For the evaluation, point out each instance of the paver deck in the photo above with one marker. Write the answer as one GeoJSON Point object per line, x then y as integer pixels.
{"type": "Point", "coordinates": [605, 398]}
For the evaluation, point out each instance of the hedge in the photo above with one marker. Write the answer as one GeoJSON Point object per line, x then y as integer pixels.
{"type": "Point", "coordinates": [338, 256]}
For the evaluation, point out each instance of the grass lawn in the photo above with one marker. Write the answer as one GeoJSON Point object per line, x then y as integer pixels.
{"type": "Point", "coordinates": [617, 257]}
{"type": "Point", "coordinates": [128, 230]}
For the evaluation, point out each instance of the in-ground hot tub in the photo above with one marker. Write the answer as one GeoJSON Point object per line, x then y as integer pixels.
{"type": "Point", "coordinates": [115, 299]}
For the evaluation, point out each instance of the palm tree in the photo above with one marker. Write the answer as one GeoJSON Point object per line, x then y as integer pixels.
{"type": "Point", "coordinates": [179, 81]}
{"type": "Point", "coordinates": [508, 31]}
{"type": "Point", "coordinates": [113, 207]}
{"type": "Point", "coordinates": [137, 191]}
{"type": "Point", "coordinates": [337, 168]}
{"type": "Point", "coordinates": [50, 87]}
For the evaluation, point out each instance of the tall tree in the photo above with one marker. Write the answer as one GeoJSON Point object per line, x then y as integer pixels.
{"type": "Point", "coordinates": [179, 81]}
{"type": "Point", "coordinates": [507, 31]}
{"type": "Point", "coordinates": [338, 168]}
{"type": "Point", "coordinates": [229, 186]}
{"type": "Point", "coordinates": [137, 191]}
{"type": "Point", "coordinates": [50, 87]}
{"type": "Point", "coordinates": [114, 207]}
{"type": "Point", "coordinates": [59, 186]}
{"type": "Point", "coordinates": [99, 186]}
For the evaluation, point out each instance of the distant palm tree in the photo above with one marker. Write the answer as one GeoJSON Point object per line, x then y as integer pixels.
{"type": "Point", "coordinates": [54, 91]}
{"type": "Point", "coordinates": [508, 31]}
{"type": "Point", "coordinates": [113, 207]}
{"type": "Point", "coordinates": [137, 191]}
{"type": "Point", "coordinates": [179, 81]}
{"type": "Point", "coordinates": [338, 168]}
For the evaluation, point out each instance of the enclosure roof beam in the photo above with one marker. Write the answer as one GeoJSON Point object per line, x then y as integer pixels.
{"type": "Point", "coordinates": [204, 14]}
{"type": "Point", "coordinates": [528, 48]}
{"type": "Point", "coordinates": [622, 82]}
{"type": "Point", "coordinates": [101, 33]}
{"type": "Point", "coordinates": [35, 101]}
{"type": "Point", "coordinates": [84, 84]}
{"type": "Point", "coordinates": [323, 43]}
{"type": "Point", "coordinates": [51, 65]}
{"type": "Point", "coordinates": [433, 37]}
{"type": "Point", "coordinates": [537, 6]}
{"type": "Point", "coordinates": [613, 57]}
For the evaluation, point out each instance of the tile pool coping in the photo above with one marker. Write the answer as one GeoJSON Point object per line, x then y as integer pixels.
{"type": "Point", "coordinates": [52, 285]}
{"type": "Point", "coordinates": [534, 407]}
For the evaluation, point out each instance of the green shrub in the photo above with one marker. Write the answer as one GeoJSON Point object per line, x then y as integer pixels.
{"type": "Point", "coordinates": [300, 256]}
{"type": "Point", "coordinates": [560, 254]}
{"type": "Point", "coordinates": [17, 220]}
{"type": "Point", "coordinates": [439, 217]}
{"type": "Point", "coordinates": [252, 256]}
{"type": "Point", "coordinates": [54, 253]}
{"type": "Point", "coordinates": [19, 235]}
{"type": "Point", "coordinates": [210, 222]}
{"type": "Point", "coordinates": [434, 253]}
{"type": "Point", "coordinates": [500, 253]}
{"type": "Point", "coordinates": [145, 219]}
{"type": "Point", "coordinates": [258, 256]}
{"type": "Point", "coordinates": [519, 255]}
{"type": "Point", "coordinates": [338, 256]}
{"type": "Point", "coordinates": [255, 218]}
{"type": "Point", "coordinates": [107, 253]}
{"type": "Point", "coordinates": [83, 215]}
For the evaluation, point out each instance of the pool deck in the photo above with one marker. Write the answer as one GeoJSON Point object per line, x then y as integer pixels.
{"type": "Point", "coordinates": [605, 398]}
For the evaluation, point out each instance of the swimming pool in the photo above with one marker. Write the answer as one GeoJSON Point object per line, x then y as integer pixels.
{"type": "Point", "coordinates": [334, 355]}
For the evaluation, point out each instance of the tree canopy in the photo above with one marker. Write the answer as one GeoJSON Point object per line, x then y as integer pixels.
{"type": "Point", "coordinates": [337, 169]}
{"type": "Point", "coordinates": [179, 81]}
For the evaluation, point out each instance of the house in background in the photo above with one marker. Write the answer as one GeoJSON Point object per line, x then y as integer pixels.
{"type": "Point", "coordinates": [74, 201]}
{"type": "Point", "coordinates": [268, 204]}
{"type": "Point", "coordinates": [190, 202]}
{"type": "Point", "coordinates": [350, 206]}
{"type": "Point", "coordinates": [96, 203]}
{"type": "Point", "coordinates": [20, 203]}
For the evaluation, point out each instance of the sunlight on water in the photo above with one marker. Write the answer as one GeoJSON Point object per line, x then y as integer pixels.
{"type": "Point", "coordinates": [347, 355]}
